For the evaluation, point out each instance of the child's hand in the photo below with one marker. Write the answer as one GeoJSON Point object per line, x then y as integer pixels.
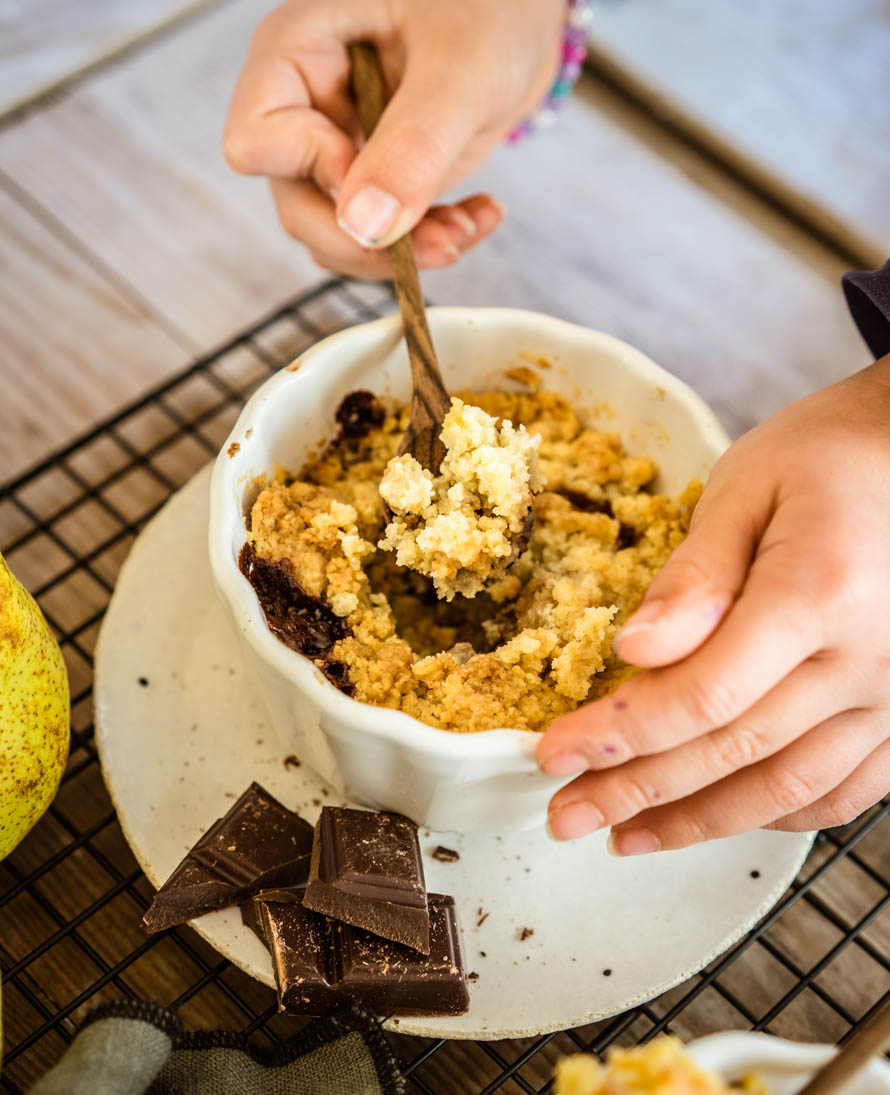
{"type": "Point", "coordinates": [460, 73]}
{"type": "Point", "coordinates": [772, 625]}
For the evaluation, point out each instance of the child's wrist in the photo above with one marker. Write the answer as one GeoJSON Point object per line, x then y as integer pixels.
{"type": "Point", "coordinates": [572, 53]}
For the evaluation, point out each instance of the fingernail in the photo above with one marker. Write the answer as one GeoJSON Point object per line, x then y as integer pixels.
{"type": "Point", "coordinates": [452, 252]}
{"type": "Point", "coordinates": [463, 221]}
{"type": "Point", "coordinates": [369, 214]}
{"type": "Point", "coordinates": [563, 764]}
{"type": "Point", "coordinates": [632, 842]}
{"type": "Point", "coordinates": [576, 819]}
{"type": "Point", "coordinates": [644, 619]}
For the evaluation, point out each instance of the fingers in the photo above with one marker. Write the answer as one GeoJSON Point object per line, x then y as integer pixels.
{"type": "Point", "coordinates": [782, 785]}
{"type": "Point", "coordinates": [805, 698]}
{"type": "Point", "coordinates": [863, 788]}
{"type": "Point", "coordinates": [281, 125]}
{"type": "Point", "coordinates": [697, 585]}
{"type": "Point", "coordinates": [405, 163]}
{"type": "Point", "coordinates": [292, 118]}
{"type": "Point", "coordinates": [293, 144]}
{"type": "Point", "coordinates": [769, 631]}
{"type": "Point", "coordinates": [443, 235]}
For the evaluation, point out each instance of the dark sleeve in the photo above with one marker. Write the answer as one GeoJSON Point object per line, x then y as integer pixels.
{"type": "Point", "coordinates": [868, 298]}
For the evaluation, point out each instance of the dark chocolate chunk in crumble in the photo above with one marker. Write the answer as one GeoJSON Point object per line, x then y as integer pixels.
{"type": "Point", "coordinates": [627, 537]}
{"type": "Point", "coordinates": [587, 504]}
{"type": "Point", "coordinates": [359, 413]}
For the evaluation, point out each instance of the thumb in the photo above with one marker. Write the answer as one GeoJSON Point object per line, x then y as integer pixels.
{"type": "Point", "coordinates": [405, 163]}
{"type": "Point", "coordinates": [696, 586]}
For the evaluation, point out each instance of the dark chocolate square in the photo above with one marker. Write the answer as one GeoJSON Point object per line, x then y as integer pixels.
{"type": "Point", "coordinates": [320, 964]}
{"type": "Point", "coordinates": [395, 979]}
{"type": "Point", "coordinates": [367, 871]}
{"type": "Point", "coordinates": [303, 957]}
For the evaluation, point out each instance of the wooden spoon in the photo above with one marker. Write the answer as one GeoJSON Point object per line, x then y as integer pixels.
{"type": "Point", "coordinates": [855, 1055]}
{"type": "Point", "coordinates": [430, 401]}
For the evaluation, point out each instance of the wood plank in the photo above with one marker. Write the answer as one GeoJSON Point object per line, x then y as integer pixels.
{"type": "Point", "coordinates": [794, 93]}
{"type": "Point", "coordinates": [73, 346]}
{"type": "Point", "coordinates": [46, 42]}
{"type": "Point", "coordinates": [614, 225]}
{"type": "Point", "coordinates": [139, 180]}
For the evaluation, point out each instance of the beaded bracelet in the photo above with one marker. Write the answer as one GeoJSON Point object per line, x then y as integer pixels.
{"type": "Point", "coordinates": [574, 50]}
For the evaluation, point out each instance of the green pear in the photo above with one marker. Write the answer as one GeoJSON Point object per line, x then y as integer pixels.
{"type": "Point", "coordinates": [34, 712]}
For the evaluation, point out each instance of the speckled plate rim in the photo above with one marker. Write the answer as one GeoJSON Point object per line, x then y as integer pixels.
{"type": "Point", "coordinates": [422, 1027]}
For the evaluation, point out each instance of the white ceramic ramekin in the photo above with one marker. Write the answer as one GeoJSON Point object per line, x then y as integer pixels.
{"type": "Point", "coordinates": [386, 759]}
{"type": "Point", "coordinates": [783, 1066]}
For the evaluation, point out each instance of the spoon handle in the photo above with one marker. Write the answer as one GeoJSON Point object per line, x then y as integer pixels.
{"type": "Point", "coordinates": [855, 1055]}
{"type": "Point", "coordinates": [430, 400]}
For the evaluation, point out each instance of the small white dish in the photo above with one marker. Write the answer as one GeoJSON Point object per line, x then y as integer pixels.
{"type": "Point", "coordinates": [177, 749]}
{"type": "Point", "coordinates": [381, 758]}
{"type": "Point", "coordinates": [783, 1066]}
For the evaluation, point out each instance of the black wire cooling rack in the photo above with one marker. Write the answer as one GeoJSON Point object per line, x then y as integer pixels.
{"type": "Point", "coordinates": [72, 896]}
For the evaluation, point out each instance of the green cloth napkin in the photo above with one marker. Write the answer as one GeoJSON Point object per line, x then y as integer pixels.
{"type": "Point", "coordinates": [127, 1047]}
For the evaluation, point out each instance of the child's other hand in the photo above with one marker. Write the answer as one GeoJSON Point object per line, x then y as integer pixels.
{"type": "Point", "coordinates": [770, 630]}
{"type": "Point", "coordinates": [460, 74]}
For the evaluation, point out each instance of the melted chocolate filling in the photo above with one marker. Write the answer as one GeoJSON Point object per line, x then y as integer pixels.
{"type": "Point", "coordinates": [359, 413]}
{"type": "Point", "coordinates": [627, 534]}
{"type": "Point", "coordinates": [305, 624]}
{"type": "Point", "coordinates": [627, 537]}
{"type": "Point", "coordinates": [587, 505]}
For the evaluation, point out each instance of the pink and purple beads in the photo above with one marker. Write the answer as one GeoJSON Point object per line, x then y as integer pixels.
{"type": "Point", "coordinates": [574, 50]}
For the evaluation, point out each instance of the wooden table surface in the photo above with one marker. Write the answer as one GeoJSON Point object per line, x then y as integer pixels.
{"type": "Point", "coordinates": [700, 197]}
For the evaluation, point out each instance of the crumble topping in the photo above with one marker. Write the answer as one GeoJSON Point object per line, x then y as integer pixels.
{"type": "Point", "coordinates": [464, 526]}
{"type": "Point", "coordinates": [536, 642]}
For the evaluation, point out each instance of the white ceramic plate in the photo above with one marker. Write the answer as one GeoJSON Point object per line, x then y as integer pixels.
{"type": "Point", "coordinates": [177, 750]}
{"type": "Point", "coordinates": [783, 1066]}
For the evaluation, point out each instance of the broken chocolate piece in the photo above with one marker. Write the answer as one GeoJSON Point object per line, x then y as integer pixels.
{"type": "Point", "coordinates": [251, 917]}
{"type": "Point", "coordinates": [257, 845]}
{"type": "Point", "coordinates": [366, 870]}
{"type": "Point", "coordinates": [446, 855]}
{"type": "Point", "coordinates": [319, 964]}
{"type": "Point", "coordinates": [189, 892]}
